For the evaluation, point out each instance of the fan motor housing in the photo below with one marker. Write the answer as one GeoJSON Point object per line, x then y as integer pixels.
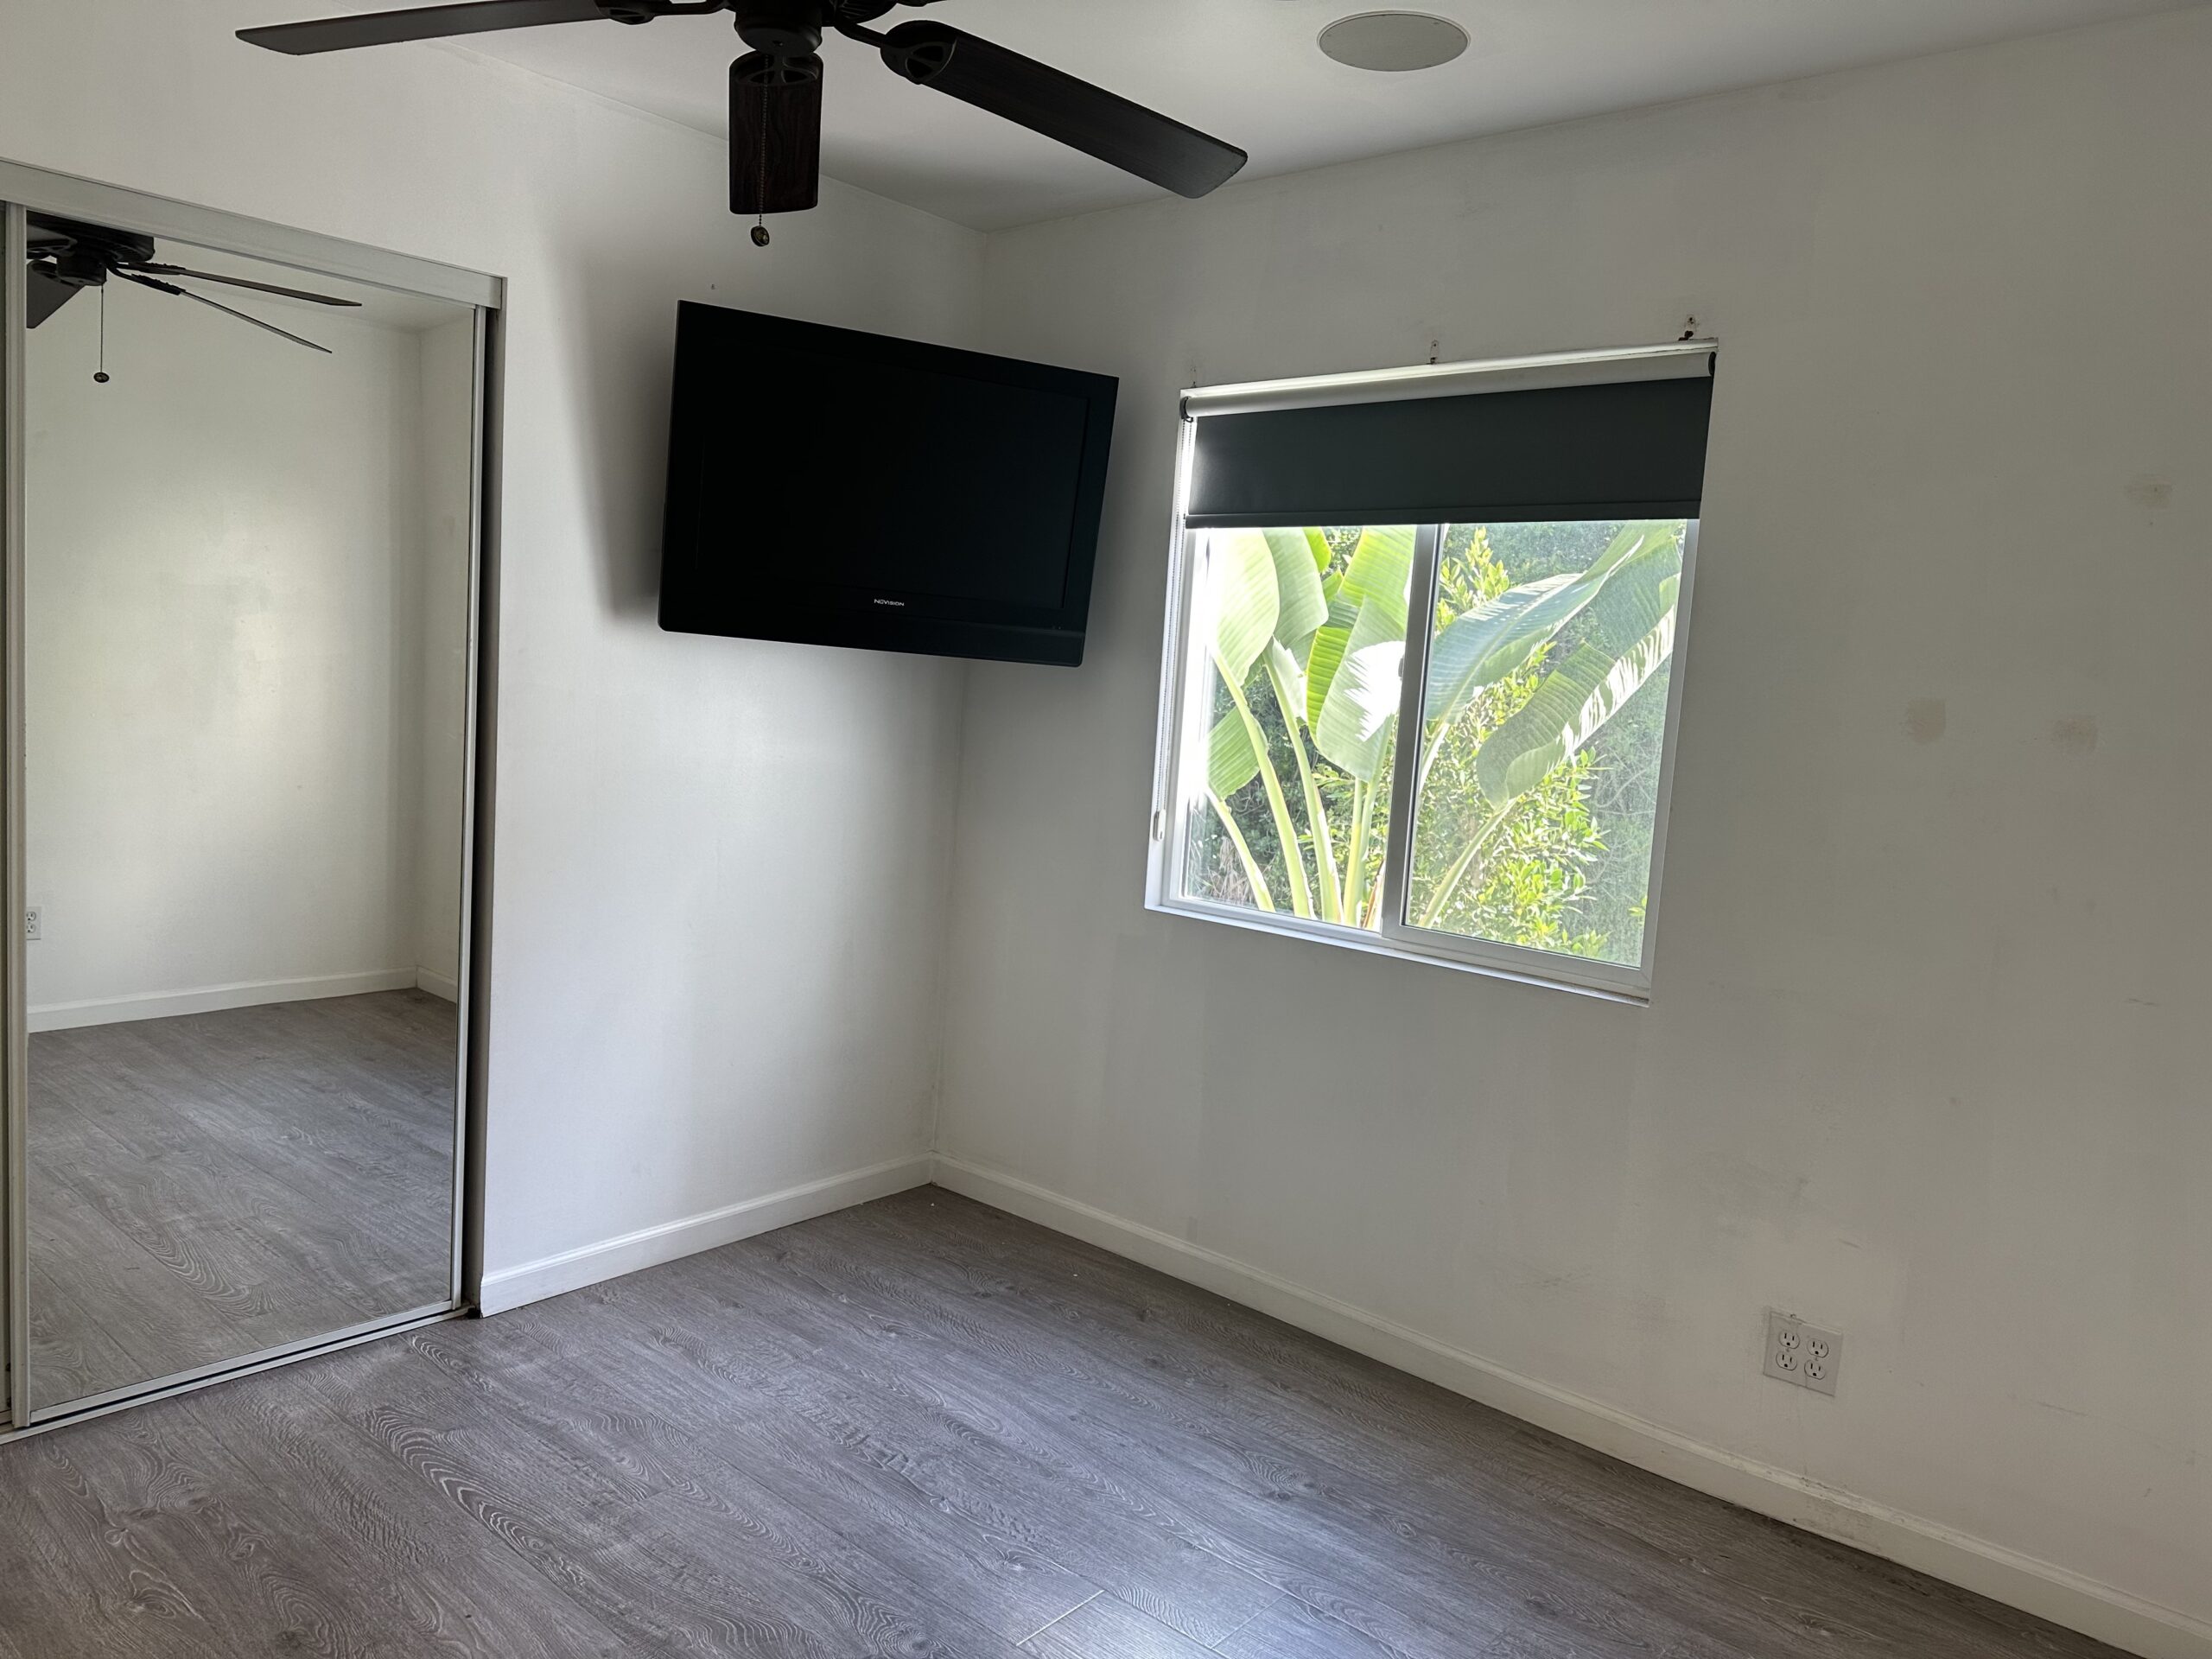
{"type": "Point", "coordinates": [81, 255]}
{"type": "Point", "coordinates": [783, 29]}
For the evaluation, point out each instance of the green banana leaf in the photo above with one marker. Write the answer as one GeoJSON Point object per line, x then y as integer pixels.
{"type": "Point", "coordinates": [1352, 726]}
{"type": "Point", "coordinates": [1572, 703]}
{"type": "Point", "coordinates": [1641, 593]}
{"type": "Point", "coordinates": [1231, 762]}
{"type": "Point", "coordinates": [1286, 666]}
{"type": "Point", "coordinates": [1324, 655]}
{"type": "Point", "coordinates": [1497, 637]}
{"type": "Point", "coordinates": [1242, 573]}
{"type": "Point", "coordinates": [1381, 565]}
{"type": "Point", "coordinates": [1301, 607]}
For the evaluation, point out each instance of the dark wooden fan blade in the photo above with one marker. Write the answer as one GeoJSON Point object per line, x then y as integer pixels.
{"type": "Point", "coordinates": [418, 23]}
{"type": "Point", "coordinates": [161, 287]}
{"type": "Point", "coordinates": [240, 282]}
{"type": "Point", "coordinates": [43, 297]}
{"type": "Point", "coordinates": [1075, 113]}
{"type": "Point", "coordinates": [775, 134]}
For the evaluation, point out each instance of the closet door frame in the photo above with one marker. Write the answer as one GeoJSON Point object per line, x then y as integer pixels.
{"type": "Point", "coordinates": [24, 190]}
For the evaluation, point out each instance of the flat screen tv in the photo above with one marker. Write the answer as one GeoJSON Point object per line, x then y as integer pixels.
{"type": "Point", "coordinates": [838, 488]}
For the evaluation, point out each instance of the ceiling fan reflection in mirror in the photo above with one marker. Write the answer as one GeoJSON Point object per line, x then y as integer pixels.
{"type": "Point", "coordinates": [776, 88]}
{"type": "Point", "coordinates": [66, 256]}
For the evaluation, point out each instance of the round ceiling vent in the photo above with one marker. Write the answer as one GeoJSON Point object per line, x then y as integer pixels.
{"type": "Point", "coordinates": [1393, 40]}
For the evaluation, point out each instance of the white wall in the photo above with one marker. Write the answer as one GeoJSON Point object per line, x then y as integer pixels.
{"type": "Point", "coordinates": [224, 575]}
{"type": "Point", "coordinates": [720, 885]}
{"type": "Point", "coordinates": [1926, 1056]}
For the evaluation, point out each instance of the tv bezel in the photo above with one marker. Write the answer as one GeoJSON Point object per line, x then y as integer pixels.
{"type": "Point", "coordinates": [845, 614]}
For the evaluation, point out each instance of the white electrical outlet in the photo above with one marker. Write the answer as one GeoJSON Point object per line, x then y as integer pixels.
{"type": "Point", "coordinates": [31, 924]}
{"type": "Point", "coordinates": [1801, 1353]}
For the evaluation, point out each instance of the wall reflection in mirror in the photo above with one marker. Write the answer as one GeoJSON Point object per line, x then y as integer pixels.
{"type": "Point", "coordinates": [246, 658]}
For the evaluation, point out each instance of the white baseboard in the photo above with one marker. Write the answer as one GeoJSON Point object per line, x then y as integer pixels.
{"type": "Point", "coordinates": [2040, 1588]}
{"type": "Point", "coordinates": [511, 1288]}
{"type": "Point", "coordinates": [209, 999]}
{"type": "Point", "coordinates": [437, 984]}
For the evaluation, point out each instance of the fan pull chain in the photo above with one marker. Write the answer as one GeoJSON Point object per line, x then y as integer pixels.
{"type": "Point", "coordinates": [99, 375]}
{"type": "Point", "coordinates": [761, 201]}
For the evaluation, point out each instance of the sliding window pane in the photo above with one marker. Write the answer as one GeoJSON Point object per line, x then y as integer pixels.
{"type": "Point", "coordinates": [1296, 640]}
{"type": "Point", "coordinates": [1544, 721]}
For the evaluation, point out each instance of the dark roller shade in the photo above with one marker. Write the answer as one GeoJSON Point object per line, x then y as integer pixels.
{"type": "Point", "coordinates": [1631, 450]}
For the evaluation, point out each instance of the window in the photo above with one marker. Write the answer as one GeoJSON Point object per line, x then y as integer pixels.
{"type": "Point", "coordinates": [1442, 736]}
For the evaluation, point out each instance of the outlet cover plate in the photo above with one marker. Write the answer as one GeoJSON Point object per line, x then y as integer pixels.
{"type": "Point", "coordinates": [34, 923]}
{"type": "Point", "coordinates": [1801, 1354]}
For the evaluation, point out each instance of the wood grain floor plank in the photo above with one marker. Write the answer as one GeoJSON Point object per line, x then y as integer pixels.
{"type": "Point", "coordinates": [1618, 1590]}
{"type": "Point", "coordinates": [1106, 1628]}
{"type": "Point", "coordinates": [113, 1298]}
{"type": "Point", "coordinates": [1473, 1467]}
{"type": "Point", "coordinates": [106, 1573]}
{"type": "Point", "coordinates": [1251, 1435]}
{"type": "Point", "coordinates": [903, 1430]}
{"type": "Point", "coordinates": [656, 1415]}
{"type": "Point", "coordinates": [977, 1450]}
{"type": "Point", "coordinates": [71, 1352]}
{"type": "Point", "coordinates": [1264, 1526]}
{"type": "Point", "coordinates": [1274, 1508]}
{"type": "Point", "coordinates": [779, 1578]}
{"type": "Point", "coordinates": [211, 1186]}
{"type": "Point", "coordinates": [1288, 1629]}
{"type": "Point", "coordinates": [442, 1584]}
{"type": "Point", "coordinates": [275, 1591]}
{"type": "Point", "coordinates": [666, 1545]}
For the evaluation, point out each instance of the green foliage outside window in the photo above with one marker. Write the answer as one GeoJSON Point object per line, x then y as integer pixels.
{"type": "Point", "coordinates": [1544, 718]}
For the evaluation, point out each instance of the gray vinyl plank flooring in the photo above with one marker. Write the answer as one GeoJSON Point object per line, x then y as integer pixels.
{"type": "Point", "coordinates": [1104, 1628]}
{"type": "Point", "coordinates": [918, 1427]}
{"type": "Point", "coordinates": [209, 1186]}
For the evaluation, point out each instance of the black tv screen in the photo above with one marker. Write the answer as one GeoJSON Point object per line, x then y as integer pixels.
{"type": "Point", "coordinates": [838, 488]}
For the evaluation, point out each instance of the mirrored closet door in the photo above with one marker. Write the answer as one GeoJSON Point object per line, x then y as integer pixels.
{"type": "Point", "coordinates": [247, 556]}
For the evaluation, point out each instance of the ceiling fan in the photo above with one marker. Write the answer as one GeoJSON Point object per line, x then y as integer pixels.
{"type": "Point", "coordinates": [776, 88]}
{"type": "Point", "coordinates": [66, 257]}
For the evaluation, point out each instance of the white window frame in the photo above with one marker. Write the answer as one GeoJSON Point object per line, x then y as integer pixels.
{"type": "Point", "coordinates": [1183, 686]}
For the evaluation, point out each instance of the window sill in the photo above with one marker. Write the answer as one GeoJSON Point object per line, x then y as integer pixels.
{"type": "Point", "coordinates": [1604, 981]}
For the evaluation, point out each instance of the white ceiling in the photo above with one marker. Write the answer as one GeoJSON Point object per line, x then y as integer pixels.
{"type": "Point", "coordinates": [1250, 71]}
